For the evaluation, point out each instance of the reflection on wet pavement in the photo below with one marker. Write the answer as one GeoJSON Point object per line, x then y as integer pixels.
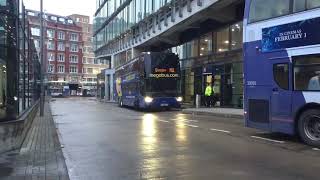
{"type": "Point", "coordinates": [118, 143]}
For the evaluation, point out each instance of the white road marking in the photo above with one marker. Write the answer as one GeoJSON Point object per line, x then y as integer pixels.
{"type": "Point", "coordinates": [163, 121]}
{"type": "Point", "coordinates": [266, 139]}
{"type": "Point", "coordinates": [192, 120]}
{"type": "Point", "coordinates": [316, 149]}
{"type": "Point", "coordinates": [220, 130]}
{"type": "Point", "coordinates": [185, 120]}
{"type": "Point", "coordinates": [191, 125]}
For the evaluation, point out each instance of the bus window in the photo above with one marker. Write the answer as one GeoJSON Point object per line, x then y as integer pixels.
{"type": "Point", "coordinates": [313, 4]}
{"type": "Point", "coordinates": [262, 9]}
{"type": "Point", "coordinates": [299, 5]}
{"type": "Point", "coordinates": [307, 73]}
{"type": "Point", "coordinates": [281, 75]}
{"type": "Point", "coordinates": [302, 5]}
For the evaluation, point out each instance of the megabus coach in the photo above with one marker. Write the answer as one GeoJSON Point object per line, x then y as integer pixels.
{"type": "Point", "coordinates": [150, 81]}
{"type": "Point", "coordinates": [282, 67]}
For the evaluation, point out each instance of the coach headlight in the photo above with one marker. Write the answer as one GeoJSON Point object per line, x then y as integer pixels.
{"type": "Point", "coordinates": [148, 99]}
{"type": "Point", "coordinates": [179, 99]}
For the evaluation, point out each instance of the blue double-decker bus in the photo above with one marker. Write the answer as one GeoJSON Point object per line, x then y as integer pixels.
{"type": "Point", "coordinates": [150, 81]}
{"type": "Point", "coordinates": [282, 67]}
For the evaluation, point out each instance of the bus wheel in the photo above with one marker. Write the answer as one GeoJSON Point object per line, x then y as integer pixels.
{"type": "Point", "coordinates": [120, 103]}
{"type": "Point", "coordinates": [309, 127]}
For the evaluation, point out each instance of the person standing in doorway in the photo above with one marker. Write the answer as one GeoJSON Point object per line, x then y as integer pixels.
{"type": "Point", "coordinates": [208, 95]}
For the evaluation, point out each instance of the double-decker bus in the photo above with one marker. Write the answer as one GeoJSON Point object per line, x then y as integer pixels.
{"type": "Point", "coordinates": [149, 81]}
{"type": "Point", "coordinates": [282, 67]}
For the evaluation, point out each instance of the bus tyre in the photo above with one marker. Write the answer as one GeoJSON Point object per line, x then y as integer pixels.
{"type": "Point", "coordinates": [309, 127]}
{"type": "Point", "coordinates": [120, 103]}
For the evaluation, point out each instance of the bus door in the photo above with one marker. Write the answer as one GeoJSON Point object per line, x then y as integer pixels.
{"type": "Point", "coordinates": [281, 101]}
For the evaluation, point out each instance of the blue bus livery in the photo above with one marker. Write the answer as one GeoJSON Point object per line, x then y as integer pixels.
{"type": "Point", "coordinates": [282, 67]}
{"type": "Point", "coordinates": [151, 80]}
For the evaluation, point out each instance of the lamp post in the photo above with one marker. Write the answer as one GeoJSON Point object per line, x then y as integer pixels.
{"type": "Point", "coordinates": [41, 60]}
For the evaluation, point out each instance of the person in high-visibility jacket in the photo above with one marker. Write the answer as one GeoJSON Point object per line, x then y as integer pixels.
{"type": "Point", "coordinates": [208, 94]}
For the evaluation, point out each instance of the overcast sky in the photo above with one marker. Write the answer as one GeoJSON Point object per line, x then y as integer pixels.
{"type": "Point", "coordinates": [64, 7]}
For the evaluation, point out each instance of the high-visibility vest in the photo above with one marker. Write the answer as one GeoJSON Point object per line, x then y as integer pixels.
{"type": "Point", "coordinates": [208, 91]}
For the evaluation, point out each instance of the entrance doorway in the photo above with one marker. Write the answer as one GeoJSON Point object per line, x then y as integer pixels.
{"type": "Point", "coordinates": [215, 82]}
{"type": "Point", "coordinates": [220, 77]}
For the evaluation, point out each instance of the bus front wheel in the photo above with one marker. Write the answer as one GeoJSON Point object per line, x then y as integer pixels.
{"type": "Point", "coordinates": [309, 127]}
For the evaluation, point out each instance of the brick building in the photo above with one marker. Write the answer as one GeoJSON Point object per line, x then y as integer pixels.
{"type": "Point", "coordinates": [91, 66]}
{"type": "Point", "coordinates": [63, 51]}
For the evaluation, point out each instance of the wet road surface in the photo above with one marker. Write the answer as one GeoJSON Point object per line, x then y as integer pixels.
{"type": "Point", "coordinates": [103, 141]}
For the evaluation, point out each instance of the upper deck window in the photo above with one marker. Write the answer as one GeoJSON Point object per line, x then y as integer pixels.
{"type": "Point", "coordinates": [302, 5]}
{"type": "Point", "coordinates": [262, 9]}
{"type": "Point", "coordinates": [313, 3]}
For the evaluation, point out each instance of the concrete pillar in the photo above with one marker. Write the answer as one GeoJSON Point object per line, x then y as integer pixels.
{"type": "Point", "coordinates": [106, 89]}
{"type": "Point", "coordinates": [111, 87]}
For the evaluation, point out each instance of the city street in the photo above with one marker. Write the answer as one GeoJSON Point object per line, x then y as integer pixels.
{"type": "Point", "coordinates": [103, 141]}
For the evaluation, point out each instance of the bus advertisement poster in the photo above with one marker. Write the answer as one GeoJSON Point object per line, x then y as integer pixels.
{"type": "Point", "coordinates": [296, 34]}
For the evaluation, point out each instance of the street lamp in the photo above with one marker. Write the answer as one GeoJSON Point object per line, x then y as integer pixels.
{"type": "Point", "coordinates": [42, 61]}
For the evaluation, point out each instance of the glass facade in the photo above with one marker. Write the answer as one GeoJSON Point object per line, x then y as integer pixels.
{"type": "Point", "coordinates": [215, 58]}
{"type": "Point", "coordinates": [124, 19]}
{"type": "Point", "coordinates": [19, 63]}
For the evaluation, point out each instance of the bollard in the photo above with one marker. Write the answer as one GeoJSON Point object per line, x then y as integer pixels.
{"type": "Point", "coordinates": [198, 101]}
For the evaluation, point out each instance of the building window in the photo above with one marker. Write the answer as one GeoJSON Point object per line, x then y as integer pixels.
{"type": "Point", "coordinates": [74, 37]}
{"type": "Point", "coordinates": [73, 59]}
{"type": "Point", "coordinates": [61, 46]}
{"type": "Point", "coordinates": [60, 69]}
{"type": "Point", "coordinates": [61, 57]}
{"type": "Point", "coordinates": [50, 68]}
{"type": "Point", "coordinates": [35, 31]}
{"type": "Point", "coordinates": [307, 73]}
{"type": "Point", "coordinates": [50, 33]}
{"type": "Point", "coordinates": [236, 36]}
{"type": "Point", "coordinates": [84, 71]}
{"type": "Point", "coordinates": [84, 60]}
{"type": "Point", "coordinates": [50, 45]}
{"type": "Point", "coordinates": [223, 41]}
{"type": "Point", "coordinates": [96, 61]}
{"type": "Point", "coordinates": [50, 56]}
{"type": "Point", "coordinates": [74, 48]}
{"type": "Point", "coordinates": [61, 35]}
{"type": "Point", "coordinates": [73, 69]}
{"type": "Point", "coordinates": [70, 21]}
{"type": "Point", "coordinates": [37, 43]}
{"type": "Point", "coordinates": [206, 44]}
{"type": "Point", "coordinates": [89, 70]}
{"type": "Point", "coordinates": [193, 48]}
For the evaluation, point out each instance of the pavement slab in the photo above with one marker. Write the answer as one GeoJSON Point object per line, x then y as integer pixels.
{"type": "Point", "coordinates": [40, 157]}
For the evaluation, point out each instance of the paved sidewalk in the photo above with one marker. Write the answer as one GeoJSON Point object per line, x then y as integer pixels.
{"type": "Point", "coordinates": [221, 112]}
{"type": "Point", "coordinates": [40, 157]}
